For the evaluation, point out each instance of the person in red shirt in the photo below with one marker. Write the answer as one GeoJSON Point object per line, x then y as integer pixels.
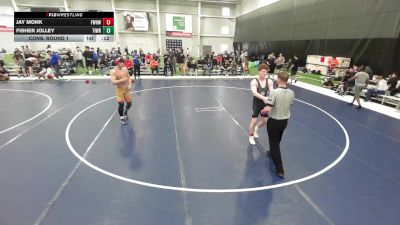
{"type": "Point", "coordinates": [332, 63]}
{"type": "Point", "coordinates": [148, 57]}
{"type": "Point", "coordinates": [128, 63]}
{"type": "Point", "coordinates": [219, 59]}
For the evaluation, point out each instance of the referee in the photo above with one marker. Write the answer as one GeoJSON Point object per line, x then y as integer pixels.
{"type": "Point", "coordinates": [278, 108]}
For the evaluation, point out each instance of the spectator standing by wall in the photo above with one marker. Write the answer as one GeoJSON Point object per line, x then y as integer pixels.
{"type": "Point", "coordinates": [88, 55]}
{"type": "Point", "coordinates": [78, 57]}
{"type": "Point", "coordinates": [136, 65]}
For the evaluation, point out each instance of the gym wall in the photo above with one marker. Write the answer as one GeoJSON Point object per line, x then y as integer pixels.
{"type": "Point", "coordinates": [210, 28]}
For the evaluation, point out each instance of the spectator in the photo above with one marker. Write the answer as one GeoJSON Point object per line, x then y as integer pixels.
{"type": "Point", "coordinates": [332, 63]}
{"type": "Point", "coordinates": [293, 68]}
{"type": "Point", "coordinates": [126, 50]}
{"type": "Point", "coordinates": [55, 62]}
{"type": "Point", "coordinates": [154, 66]}
{"type": "Point", "coordinates": [280, 61]}
{"type": "Point", "coordinates": [156, 57]}
{"type": "Point", "coordinates": [397, 90]}
{"type": "Point", "coordinates": [180, 59]}
{"type": "Point", "coordinates": [27, 52]}
{"type": "Point", "coordinates": [103, 65]}
{"type": "Point", "coordinates": [219, 60]}
{"type": "Point", "coordinates": [4, 74]}
{"type": "Point", "coordinates": [148, 58]}
{"type": "Point", "coordinates": [192, 65]}
{"type": "Point", "coordinates": [245, 67]}
{"type": "Point", "coordinates": [88, 55]}
{"type": "Point", "coordinates": [28, 66]}
{"type": "Point", "coordinates": [361, 81]}
{"type": "Point", "coordinates": [271, 63]}
{"type": "Point", "coordinates": [392, 83]}
{"type": "Point", "coordinates": [224, 67]}
{"type": "Point", "coordinates": [129, 65]}
{"type": "Point", "coordinates": [233, 68]}
{"type": "Point", "coordinates": [142, 55]}
{"type": "Point", "coordinates": [136, 65]}
{"type": "Point", "coordinates": [379, 90]}
{"type": "Point", "coordinates": [19, 60]}
{"type": "Point", "coordinates": [172, 59]}
{"type": "Point", "coordinates": [166, 64]}
{"type": "Point", "coordinates": [328, 84]}
{"type": "Point", "coordinates": [344, 84]}
{"type": "Point", "coordinates": [208, 67]}
{"type": "Point", "coordinates": [107, 55]}
{"type": "Point", "coordinates": [95, 59]}
{"type": "Point", "coordinates": [78, 56]}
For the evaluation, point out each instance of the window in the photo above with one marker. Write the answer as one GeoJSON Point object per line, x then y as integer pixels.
{"type": "Point", "coordinates": [226, 11]}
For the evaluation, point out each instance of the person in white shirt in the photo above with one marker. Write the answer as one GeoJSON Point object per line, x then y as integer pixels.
{"type": "Point", "coordinates": [380, 89]}
{"type": "Point", "coordinates": [28, 66]}
{"type": "Point", "coordinates": [78, 56]}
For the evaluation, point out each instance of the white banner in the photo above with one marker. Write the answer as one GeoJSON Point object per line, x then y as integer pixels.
{"type": "Point", "coordinates": [178, 25]}
{"type": "Point", "coordinates": [136, 21]}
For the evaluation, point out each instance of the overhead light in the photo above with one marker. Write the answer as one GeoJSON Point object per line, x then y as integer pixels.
{"type": "Point", "coordinates": [226, 11]}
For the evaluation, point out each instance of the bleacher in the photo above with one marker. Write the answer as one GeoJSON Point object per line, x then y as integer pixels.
{"type": "Point", "coordinates": [197, 72]}
{"type": "Point", "coordinates": [382, 99]}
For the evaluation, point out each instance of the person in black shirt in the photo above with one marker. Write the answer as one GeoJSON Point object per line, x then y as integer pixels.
{"type": "Point", "coordinates": [88, 55]}
{"type": "Point", "coordinates": [344, 83]}
{"type": "Point", "coordinates": [172, 62]}
{"type": "Point", "coordinates": [329, 83]}
{"type": "Point", "coordinates": [166, 64]}
{"type": "Point", "coordinates": [392, 82]}
{"type": "Point", "coordinates": [180, 59]}
{"type": "Point", "coordinates": [271, 62]}
{"type": "Point", "coordinates": [208, 67]}
{"type": "Point", "coordinates": [293, 68]}
{"type": "Point", "coordinates": [19, 60]}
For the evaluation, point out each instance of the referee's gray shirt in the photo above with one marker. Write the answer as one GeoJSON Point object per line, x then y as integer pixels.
{"type": "Point", "coordinates": [280, 99]}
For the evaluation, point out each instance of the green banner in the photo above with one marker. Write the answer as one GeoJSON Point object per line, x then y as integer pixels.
{"type": "Point", "coordinates": [178, 22]}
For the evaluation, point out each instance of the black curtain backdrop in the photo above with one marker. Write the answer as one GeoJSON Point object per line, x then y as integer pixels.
{"type": "Point", "coordinates": [367, 31]}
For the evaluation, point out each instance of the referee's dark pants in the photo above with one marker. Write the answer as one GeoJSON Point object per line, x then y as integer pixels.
{"type": "Point", "coordinates": [275, 131]}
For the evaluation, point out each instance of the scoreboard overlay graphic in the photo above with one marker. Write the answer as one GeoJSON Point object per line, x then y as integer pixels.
{"type": "Point", "coordinates": [64, 27]}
